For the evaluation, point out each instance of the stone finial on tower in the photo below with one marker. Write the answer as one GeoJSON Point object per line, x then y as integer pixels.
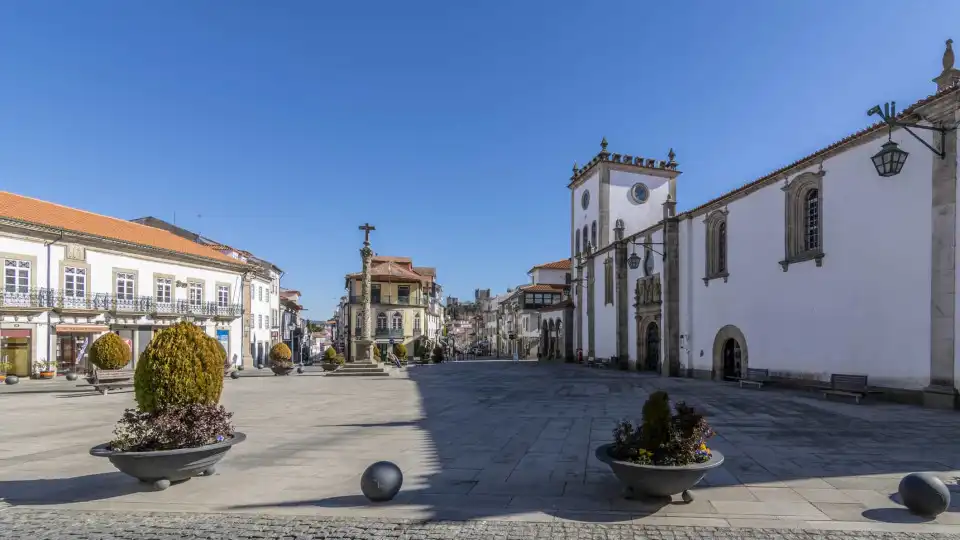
{"type": "Point", "coordinates": [672, 164]}
{"type": "Point", "coordinates": [950, 75]}
{"type": "Point", "coordinates": [603, 144]}
{"type": "Point", "coordinates": [575, 168]}
{"type": "Point", "coordinates": [603, 150]}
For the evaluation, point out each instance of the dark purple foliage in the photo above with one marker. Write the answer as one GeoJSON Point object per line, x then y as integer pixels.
{"type": "Point", "coordinates": [189, 426]}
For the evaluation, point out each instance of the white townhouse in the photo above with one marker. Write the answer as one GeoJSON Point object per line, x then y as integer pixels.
{"type": "Point", "coordinates": [842, 262]}
{"type": "Point", "coordinates": [261, 294]}
{"type": "Point", "coordinates": [71, 276]}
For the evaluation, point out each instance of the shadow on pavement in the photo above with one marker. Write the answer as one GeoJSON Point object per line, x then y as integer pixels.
{"type": "Point", "coordinates": [93, 487]}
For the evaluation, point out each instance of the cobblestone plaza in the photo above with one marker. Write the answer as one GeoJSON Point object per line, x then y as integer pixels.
{"type": "Point", "coordinates": [488, 450]}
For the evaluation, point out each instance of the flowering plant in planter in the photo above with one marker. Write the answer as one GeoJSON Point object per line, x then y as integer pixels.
{"type": "Point", "coordinates": [280, 355]}
{"type": "Point", "coordinates": [178, 429]}
{"type": "Point", "coordinates": [663, 438]}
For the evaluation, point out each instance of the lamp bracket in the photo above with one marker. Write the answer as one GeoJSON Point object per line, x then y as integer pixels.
{"type": "Point", "coordinates": [889, 116]}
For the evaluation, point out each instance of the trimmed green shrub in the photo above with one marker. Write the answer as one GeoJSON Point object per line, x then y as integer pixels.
{"type": "Point", "coordinates": [376, 353]}
{"type": "Point", "coordinates": [400, 350]}
{"type": "Point", "coordinates": [181, 366]}
{"type": "Point", "coordinates": [109, 351]}
{"type": "Point", "coordinates": [329, 354]}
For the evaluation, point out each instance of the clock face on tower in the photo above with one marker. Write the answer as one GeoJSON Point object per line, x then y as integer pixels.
{"type": "Point", "coordinates": [639, 193]}
{"type": "Point", "coordinates": [585, 199]}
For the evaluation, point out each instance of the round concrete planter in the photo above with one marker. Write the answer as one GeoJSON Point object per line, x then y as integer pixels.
{"type": "Point", "coordinates": [330, 366]}
{"type": "Point", "coordinates": [280, 370]}
{"type": "Point", "coordinates": [161, 467]}
{"type": "Point", "coordinates": [47, 374]}
{"type": "Point", "coordinates": [657, 480]}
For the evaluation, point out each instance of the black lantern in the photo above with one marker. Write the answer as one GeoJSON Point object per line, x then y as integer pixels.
{"type": "Point", "coordinates": [890, 159]}
{"type": "Point", "coordinates": [633, 261]}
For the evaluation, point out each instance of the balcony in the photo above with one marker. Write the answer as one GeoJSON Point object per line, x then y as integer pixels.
{"type": "Point", "coordinates": [65, 303]}
{"type": "Point", "coordinates": [131, 304]}
{"type": "Point", "coordinates": [26, 299]}
{"type": "Point", "coordinates": [386, 299]}
{"type": "Point", "coordinates": [389, 333]}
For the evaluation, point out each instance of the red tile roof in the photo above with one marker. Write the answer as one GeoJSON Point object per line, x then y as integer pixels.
{"type": "Point", "coordinates": [562, 264]}
{"type": "Point", "coordinates": [35, 211]}
{"type": "Point", "coordinates": [543, 287]}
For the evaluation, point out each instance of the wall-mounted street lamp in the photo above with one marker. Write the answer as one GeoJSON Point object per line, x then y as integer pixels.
{"type": "Point", "coordinates": [634, 260]}
{"type": "Point", "coordinates": [890, 159]}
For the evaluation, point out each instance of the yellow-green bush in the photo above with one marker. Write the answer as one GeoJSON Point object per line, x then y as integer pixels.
{"type": "Point", "coordinates": [181, 366]}
{"type": "Point", "coordinates": [280, 353]}
{"type": "Point", "coordinates": [329, 354]}
{"type": "Point", "coordinates": [400, 350]}
{"type": "Point", "coordinates": [376, 353]}
{"type": "Point", "coordinates": [109, 351]}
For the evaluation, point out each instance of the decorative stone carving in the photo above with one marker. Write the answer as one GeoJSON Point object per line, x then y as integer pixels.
{"type": "Point", "coordinates": [648, 292]}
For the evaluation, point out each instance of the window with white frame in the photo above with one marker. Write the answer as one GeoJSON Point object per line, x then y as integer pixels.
{"type": "Point", "coordinates": [74, 282]}
{"type": "Point", "coordinates": [381, 321]}
{"type": "Point", "coordinates": [397, 321]}
{"type": "Point", "coordinates": [164, 290]}
{"type": "Point", "coordinates": [260, 293]}
{"type": "Point", "coordinates": [253, 293]}
{"type": "Point", "coordinates": [274, 318]}
{"type": "Point", "coordinates": [195, 295]}
{"type": "Point", "coordinates": [125, 282]}
{"type": "Point", "coordinates": [16, 276]}
{"type": "Point", "coordinates": [259, 322]}
{"type": "Point", "coordinates": [223, 295]}
{"type": "Point", "coordinates": [416, 322]}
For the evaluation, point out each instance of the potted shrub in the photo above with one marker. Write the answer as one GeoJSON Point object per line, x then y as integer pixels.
{"type": "Point", "coordinates": [376, 353]}
{"type": "Point", "coordinates": [666, 455]}
{"type": "Point", "coordinates": [178, 429]}
{"type": "Point", "coordinates": [400, 350]}
{"type": "Point", "coordinates": [331, 360]}
{"type": "Point", "coordinates": [438, 354]}
{"type": "Point", "coordinates": [44, 369]}
{"type": "Point", "coordinates": [109, 353]}
{"type": "Point", "coordinates": [4, 368]}
{"type": "Point", "coordinates": [280, 362]}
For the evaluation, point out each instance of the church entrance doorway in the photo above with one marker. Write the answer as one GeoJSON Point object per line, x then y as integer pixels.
{"type": "Point", "coordinates": [652, 357]}
{"type": "Point", "coordinates": [732, 358]}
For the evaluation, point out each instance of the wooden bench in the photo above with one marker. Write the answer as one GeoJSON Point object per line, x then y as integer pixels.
{"type": "Point", "coordinates": [854, 386]}
{"type": "Point", "coordinates": [756, 377]}
{"type": "Point", "coordinates": [104, 380]}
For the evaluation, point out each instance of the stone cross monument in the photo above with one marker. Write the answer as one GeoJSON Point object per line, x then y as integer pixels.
{"type": "Point", "coordinates": [365, 341]}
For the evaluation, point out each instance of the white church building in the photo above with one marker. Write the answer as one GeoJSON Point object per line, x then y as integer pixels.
{"type": "Point", "coordinates": [798, 272]}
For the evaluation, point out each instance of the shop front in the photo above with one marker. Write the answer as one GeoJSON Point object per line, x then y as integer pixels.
{"type": "Point", "coordinates": [16, 345]}
{"type": "Point", "coordinates": [73, 343]}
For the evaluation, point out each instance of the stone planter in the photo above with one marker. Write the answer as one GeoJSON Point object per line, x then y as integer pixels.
{"type": "Point", "coordinates": [47, 374]}
{"type": "Point", "coordinates": [657, 480]}
{"type": "Point", "coordinates": [161, 467]}
{"type": "Point", "coordinates": [281, 370]}
{"type": "Point", "coordinates": [330, 366]}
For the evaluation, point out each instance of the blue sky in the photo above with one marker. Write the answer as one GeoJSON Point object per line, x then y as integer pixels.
{"type": "Point", "coordinates": [451, 126]}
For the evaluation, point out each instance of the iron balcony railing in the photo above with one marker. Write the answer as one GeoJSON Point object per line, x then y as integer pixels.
{"type": "Point", "coordinates": [389, 332]}
{"type": "Point", "coordinates": [26, 298]}
{"type": "Point", "coordinates": [410, 300]}
{"type": "Point", "coordinates": [132, 304]}
{"type": "Point", "coordinates": [66, 300]}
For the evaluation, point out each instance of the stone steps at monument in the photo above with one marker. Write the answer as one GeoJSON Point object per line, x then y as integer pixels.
{"type": "Point", "coordinates": [359, 369]}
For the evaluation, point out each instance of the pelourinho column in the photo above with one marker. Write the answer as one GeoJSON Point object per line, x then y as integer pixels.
{"type": "Point", "coordinates": [365, 343]}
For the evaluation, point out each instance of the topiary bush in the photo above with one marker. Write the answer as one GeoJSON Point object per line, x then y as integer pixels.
{"type": "Point", "coordinates": [438, 354]}
{"type": "Point", "coordinates": [400, 350]}
{"type": "Point", "coordinates": [376, 353]}
{"type": "Point", "coordinates": [181, 366]}
{"type": "Point", "coordinates": [109, 351]}
{"type": "Point", "coordinates": [280, 355]}
{"type": "Point", "coordinates": [329, 354]}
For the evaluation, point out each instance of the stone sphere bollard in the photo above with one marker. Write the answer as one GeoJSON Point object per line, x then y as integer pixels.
{"type": "Point", "coordinates": [12, 379]}
{"type": "Point", "coordinates": [300, 369]}
{"type": "Point", "coordinates": [234, 374]}
{"type": "Point", "coordinates": [381, 481]}
{"type": "Point", "coordinates": [924, 494]}
{"type": "Point", "coordinates": [71, 376]}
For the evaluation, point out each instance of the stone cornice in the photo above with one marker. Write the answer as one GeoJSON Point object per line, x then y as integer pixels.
{"type": "Point", "coordinates": [624, 162]}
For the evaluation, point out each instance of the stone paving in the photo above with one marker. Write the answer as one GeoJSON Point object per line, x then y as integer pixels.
{"type": "Point", "coordinates": [488, 445]}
